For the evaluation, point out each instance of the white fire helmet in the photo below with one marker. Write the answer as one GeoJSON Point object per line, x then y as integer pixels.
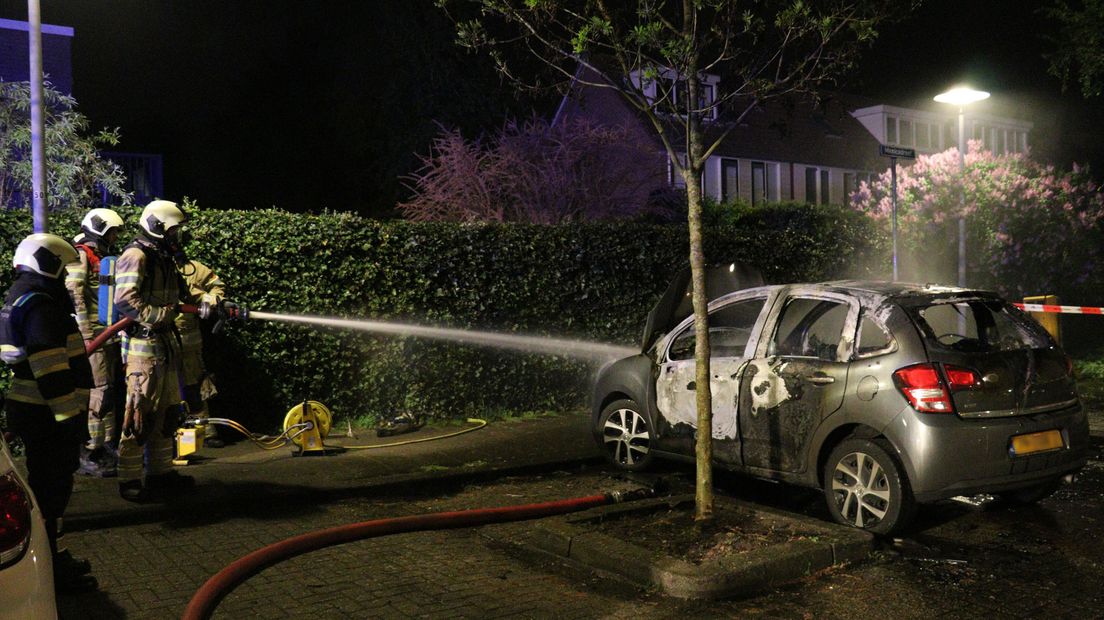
{"type": "Point", "coordinates": [45, 254]}
{"type": "Point", "coordinates": [98, 222]}
{"type": "Point", "coordinates": [159, 216]}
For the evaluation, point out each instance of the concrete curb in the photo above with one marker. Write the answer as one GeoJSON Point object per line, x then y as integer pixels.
{"type": "Point", "coordinates": [737, 575]}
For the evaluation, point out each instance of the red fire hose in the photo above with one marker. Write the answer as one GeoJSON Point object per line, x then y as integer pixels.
{"type": "Point", "coordinates": [121, 324]}
{"type": "Point", "coordinates": [209, 595]}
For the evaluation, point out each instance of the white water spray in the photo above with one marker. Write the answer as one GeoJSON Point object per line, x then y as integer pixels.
{"type": "Point", "coordinates": [595, 351]}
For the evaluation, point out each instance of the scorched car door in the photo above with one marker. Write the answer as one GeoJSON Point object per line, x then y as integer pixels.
{"type": "Point", "coordinates": [730, 331]}
{"type": "Point", "coordinates": [796, 379]}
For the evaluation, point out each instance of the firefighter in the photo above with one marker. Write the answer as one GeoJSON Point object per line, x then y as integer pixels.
{"type": "Point", "coordinates": [99, 231]}
{"type": "Point", "coordinates": [204, 287]}
{"type": "Point", "coordinates": [48, 398]}
{"type": "Point", "coordinates": [149, 289]}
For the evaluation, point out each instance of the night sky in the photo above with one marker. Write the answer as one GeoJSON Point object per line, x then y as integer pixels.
{"type": "Point", "coordinates": [322, 105]}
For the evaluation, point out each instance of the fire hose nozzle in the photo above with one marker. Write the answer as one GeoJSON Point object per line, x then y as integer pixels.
{"type": "Point", "coordinates": [222, 311]}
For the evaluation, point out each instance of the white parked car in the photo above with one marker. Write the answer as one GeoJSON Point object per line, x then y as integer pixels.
{"type": "Point", "coordinates": [26, 568]}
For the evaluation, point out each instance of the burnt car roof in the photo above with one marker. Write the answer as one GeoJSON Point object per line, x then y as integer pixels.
{"type": "Point", "coordinates": [908, 292]}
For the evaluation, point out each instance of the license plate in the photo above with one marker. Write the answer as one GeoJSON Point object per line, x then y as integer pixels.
{"type": "Point", "coordinates": [1037, 442]}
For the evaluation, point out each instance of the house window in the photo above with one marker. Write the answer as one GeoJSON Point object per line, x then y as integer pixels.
{"type": "Point", "coordinates": [905, 133]}
{"type": "Point", "coordinates": [824, 187]}
{"type": "Point", "coordinates": [730, 179]}
{"type": "Point", "coordinates": [764, 182]}
{"type": "Point", "coordinates": [674, 175]}
{"type": "Point", "coordinates": [891, 130]}
{"type": "Point", "coordinates": [923, 138]}
{"type": "Point", "coordinates": [950, 135]}
{"type": "Point", "coordinates": [674, 93]}
{"type": "Point", "coordinates": [810, 185]}
{"type": "Point", "coordinates": [849, 185]}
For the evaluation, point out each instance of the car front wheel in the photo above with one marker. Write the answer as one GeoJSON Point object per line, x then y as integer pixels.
{"type": "Point", "coordinates": [626, 435]}
{"type": "Point", "coordinates": [866, 487]}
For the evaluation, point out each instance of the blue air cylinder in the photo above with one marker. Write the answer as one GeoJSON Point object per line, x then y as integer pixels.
{"type": "Point", "coordinates": [109, 314]}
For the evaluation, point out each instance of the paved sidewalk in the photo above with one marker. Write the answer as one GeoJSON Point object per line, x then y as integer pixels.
{"type": "Point", "coordinates": [243, 474]}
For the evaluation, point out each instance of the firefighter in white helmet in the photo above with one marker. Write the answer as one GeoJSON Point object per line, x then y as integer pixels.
{"type": "Point", "coordinates": [48, 397]}
{"type": "Point", "coordinates": [204, 287]}
{"type": "Point", "coordinates": [99, 231]}
{"type": "Point", "coordinates": [149, 289]}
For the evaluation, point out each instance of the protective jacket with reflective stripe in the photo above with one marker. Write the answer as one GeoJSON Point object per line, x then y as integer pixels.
{"type": "Point", "coordinates": [203, 285]}
{"type": "Point", "coordinates": [148, 289]}
{"type": "Point", "coordinates": [83, 283]}
{"type": "Point", "coordinates": [46, 352]}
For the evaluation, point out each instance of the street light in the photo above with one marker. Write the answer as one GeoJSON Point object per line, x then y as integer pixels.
{"type": "Point", "coordinates": [962, 96]}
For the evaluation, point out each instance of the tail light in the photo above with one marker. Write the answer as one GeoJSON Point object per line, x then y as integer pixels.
{"type": "Point", "coordinates": [15, 519]}
{"type": "Point", "coordinates": [927, 391]}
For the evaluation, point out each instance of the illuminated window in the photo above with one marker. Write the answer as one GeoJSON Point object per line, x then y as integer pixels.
{"type": "Point", "coordinates": [905, 133]}
{"type": "Point", "coordinates": [891, 130]}
{"type": "Point", "coordinates": [923, 138]}
{"type": "Point", "coordinates": [764, 182]}
{"type": "Point", "coordinates": [730, 179]}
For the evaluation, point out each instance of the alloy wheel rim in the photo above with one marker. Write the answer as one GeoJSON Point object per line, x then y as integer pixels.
{"type": "Point", "coordinates": [626, 436]}
{"type": "Point", "coordinates": [861, 489]}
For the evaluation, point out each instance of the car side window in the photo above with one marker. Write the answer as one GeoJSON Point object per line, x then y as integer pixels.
{"type": "Point", "coordinates": [729, 331]}
{"type": "Point", "coordinates": [809, 328]}
{"type": "Point", "coordinates": [873, 339]}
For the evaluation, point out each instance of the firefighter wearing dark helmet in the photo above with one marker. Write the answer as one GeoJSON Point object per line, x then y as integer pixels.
{"type": "Point", "coordinates": [148, 289]}
{"type": "Point", "coordinates": [48, 398]}
{"type": "Point", "coordinates": [99, 231]}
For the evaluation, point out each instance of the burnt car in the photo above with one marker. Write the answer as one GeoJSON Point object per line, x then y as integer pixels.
{"type": "Point", "coordinates": [883, 395]}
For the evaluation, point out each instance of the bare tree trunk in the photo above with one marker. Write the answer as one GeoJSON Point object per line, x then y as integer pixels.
{"type": "Point", "coordinates": [703, 495]}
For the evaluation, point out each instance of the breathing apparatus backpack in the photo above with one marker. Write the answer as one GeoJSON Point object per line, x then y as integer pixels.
{"type": "Point", "coordinates": [105, 267]}
{"type": "Point", "coordinates": [109, 314]}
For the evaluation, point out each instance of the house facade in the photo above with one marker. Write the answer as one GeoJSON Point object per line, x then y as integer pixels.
{"type": "Point", "coordinates": [143, 170]}
{"type": "Point", "coordinates": [57, 54]}
{"type": "Point", "coordinates": [801, 149]}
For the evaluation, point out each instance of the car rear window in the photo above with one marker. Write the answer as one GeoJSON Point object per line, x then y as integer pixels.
{"type": "Point", "coordinates": [981, 325]}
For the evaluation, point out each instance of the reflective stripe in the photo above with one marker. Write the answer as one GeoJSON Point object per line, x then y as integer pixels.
{"type": "Point", "coordinates": [140, 347]}
{"type": "Point", "coordinates": [126, 279]}
{"type": "Point", "coordinates": [12, 355]}
{"type": "Point", "coordinates": [25, 391]}
{"type": "Point", "coordinates": [50, 360]}
{"type": "Point", "coordinates": [75, 344]}
{"type": "Point", "coordinates": [64, 407]}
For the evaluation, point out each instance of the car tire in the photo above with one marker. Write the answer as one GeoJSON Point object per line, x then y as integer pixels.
{"type": "Point", "coordinates": [1030, 495]}
{"type": "Point", "coordinates": [626, 435]}
{"type": "Point", "coordinates": [865, 486]}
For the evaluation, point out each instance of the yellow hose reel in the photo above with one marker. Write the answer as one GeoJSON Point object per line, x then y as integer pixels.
{"type": "Point", "coordinates": [306, 425]}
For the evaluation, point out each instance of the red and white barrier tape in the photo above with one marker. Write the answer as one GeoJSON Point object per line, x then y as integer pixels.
{"type": "Point", "coordinates": [1061, 309]}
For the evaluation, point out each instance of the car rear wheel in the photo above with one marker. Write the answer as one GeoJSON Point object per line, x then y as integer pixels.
{"type": "Point", "coordinates": [626, 435]}
{"type": "Point", "coordinates": [866, 487]}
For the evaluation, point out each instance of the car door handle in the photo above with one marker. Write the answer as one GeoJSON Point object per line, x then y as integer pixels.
{"type": "Point", "coordinates": [820, 379]}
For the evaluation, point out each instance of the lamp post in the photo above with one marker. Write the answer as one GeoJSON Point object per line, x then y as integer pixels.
{"type": "Point", "coordinates": [962, 96]}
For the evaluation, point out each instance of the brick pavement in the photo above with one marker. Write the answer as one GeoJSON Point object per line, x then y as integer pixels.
{"type": "Point", "coordinates": [958, 562]}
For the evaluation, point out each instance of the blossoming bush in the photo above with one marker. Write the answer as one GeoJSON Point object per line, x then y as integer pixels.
{"type": "Point", "coordinates": [1031, 229]}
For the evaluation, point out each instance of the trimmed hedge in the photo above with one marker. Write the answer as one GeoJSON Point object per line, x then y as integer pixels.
{"type": "Point", "coordinates": [587, 281]}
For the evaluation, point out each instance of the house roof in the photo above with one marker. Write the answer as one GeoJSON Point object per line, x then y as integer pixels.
{"type": "Point", "coordinates": [794, 129]}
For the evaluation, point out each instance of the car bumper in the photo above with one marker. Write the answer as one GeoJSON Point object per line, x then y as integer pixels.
{"type": "Point", "coordinates": [946, 456]}
{"type": "Point", "coordinates": [27, 587]}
